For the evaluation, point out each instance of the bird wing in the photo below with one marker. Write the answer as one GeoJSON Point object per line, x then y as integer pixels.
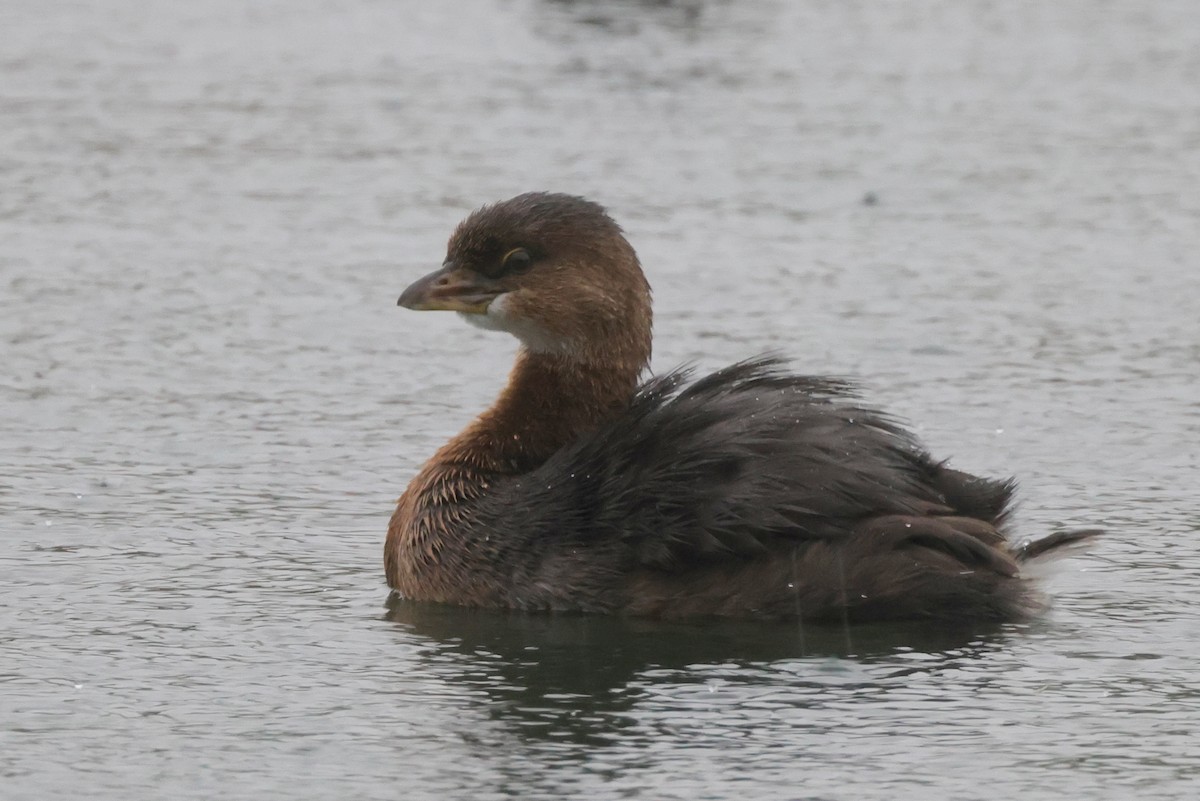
{"type": "Point", "coordinates": [746, 458]}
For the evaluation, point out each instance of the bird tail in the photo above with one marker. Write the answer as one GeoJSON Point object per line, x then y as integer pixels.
{"type": "Point", "coordinates": [1035, 549]}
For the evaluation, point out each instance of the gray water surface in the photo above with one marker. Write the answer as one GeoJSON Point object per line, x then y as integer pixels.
{"type": "Point", "coordinates": [208, 401]}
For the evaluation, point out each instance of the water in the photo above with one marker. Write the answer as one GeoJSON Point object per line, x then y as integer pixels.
{"type": "Point", "coordinates": [208, 400]}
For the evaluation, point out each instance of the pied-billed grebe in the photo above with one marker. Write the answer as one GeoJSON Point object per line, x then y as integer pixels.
{"type": "Point", "coordinates": [749, 492]}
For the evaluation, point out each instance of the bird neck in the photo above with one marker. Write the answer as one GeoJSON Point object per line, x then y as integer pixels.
{"type": "Point", "coordinates": [550, 400]}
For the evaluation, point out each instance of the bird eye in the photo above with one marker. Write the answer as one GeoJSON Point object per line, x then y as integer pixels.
{"type": "Point", "coordinates": [515, 260]}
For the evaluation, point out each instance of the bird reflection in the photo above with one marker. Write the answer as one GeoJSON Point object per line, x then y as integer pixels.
{"type": "Point", "coordinates": [617, 15]}
{"type": "Point", "coordinates": [578, 678]}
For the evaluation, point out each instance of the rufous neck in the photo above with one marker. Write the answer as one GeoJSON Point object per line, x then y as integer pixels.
{"type": "Point", "coordinates": [550, 400]}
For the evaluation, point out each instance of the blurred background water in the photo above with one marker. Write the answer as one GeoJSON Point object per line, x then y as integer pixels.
{"type": "Point", "coordinates": [208, 400]}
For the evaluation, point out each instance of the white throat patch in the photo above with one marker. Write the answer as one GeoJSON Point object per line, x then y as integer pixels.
{"type": "Point", "coordinates": [532, 336]}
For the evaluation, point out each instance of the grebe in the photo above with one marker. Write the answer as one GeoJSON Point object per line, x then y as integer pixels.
{"type": "Point", "coordinates": [748, 492]}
